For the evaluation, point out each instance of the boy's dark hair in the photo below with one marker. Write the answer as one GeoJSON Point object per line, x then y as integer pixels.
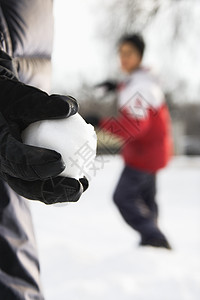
{"type": "Point", "coordinates": [134, 39]}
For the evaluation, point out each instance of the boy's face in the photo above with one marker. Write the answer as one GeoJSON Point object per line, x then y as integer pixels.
{"type": "Point", "coordinates": [130, 57]}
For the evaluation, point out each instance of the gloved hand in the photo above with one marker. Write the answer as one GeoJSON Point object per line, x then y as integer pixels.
{"type": "Point", "coordinates": [30, 171]}
{"type": "Point", "coordinates": [94, 120]}
{"type": "Point", "coordinates": [108, 85]}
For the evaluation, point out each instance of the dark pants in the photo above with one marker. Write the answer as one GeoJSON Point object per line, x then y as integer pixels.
{"type": "Point", "coordinates": [19, 267]}
{"type": "Point", "coordinates": [135, 198]}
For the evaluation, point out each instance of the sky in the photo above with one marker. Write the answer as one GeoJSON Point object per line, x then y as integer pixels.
{"type": "Point", "coordinates": [77, 53]}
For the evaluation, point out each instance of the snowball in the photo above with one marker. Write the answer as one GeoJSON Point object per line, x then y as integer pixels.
{"type": "Point", "coordinates": [72, 137]}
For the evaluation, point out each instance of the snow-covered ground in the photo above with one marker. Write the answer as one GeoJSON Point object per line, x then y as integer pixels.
{"type": "Point", "coordinates": [88, 253]}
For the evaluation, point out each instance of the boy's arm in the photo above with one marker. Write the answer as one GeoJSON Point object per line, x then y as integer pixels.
{"type": "Point", "coordinates": [126, 126]}
{"type": "Point", "coordinates": [140, 101]}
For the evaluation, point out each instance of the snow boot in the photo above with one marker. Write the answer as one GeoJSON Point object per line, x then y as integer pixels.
{"type": "Point", "coordinates": [155, 241]}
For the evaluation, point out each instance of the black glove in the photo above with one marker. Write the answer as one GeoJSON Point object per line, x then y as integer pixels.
{"type": "Point", "coordinates": [30, 171]}
{"type": "Point", "coordinates": [108, 85]}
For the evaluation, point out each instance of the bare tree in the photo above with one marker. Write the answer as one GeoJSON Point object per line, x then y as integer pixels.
{"type": "Point", "coordinates": [125, 16]}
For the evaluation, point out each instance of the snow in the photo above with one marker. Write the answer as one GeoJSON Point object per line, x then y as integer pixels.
{"type": "Point", "coordinates": [87, 252]}
{"type": "Point", "coordinates": [72, 137]}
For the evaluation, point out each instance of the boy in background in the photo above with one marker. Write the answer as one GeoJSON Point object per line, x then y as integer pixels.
{"type": "Point", "coordinates": [143, 123]}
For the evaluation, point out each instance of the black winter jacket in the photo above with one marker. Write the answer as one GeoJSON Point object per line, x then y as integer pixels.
{"type": "Point", "coordinates": [26, 32]}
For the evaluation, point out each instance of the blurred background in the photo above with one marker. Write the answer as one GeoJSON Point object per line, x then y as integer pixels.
{"type": "Point", "coordinates": [92, 253]}
{"type": "Point", "coordinates": [85, 53]}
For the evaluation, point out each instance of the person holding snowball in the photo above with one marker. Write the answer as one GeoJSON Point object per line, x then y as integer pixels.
{"type": "Point", "coordinates": [143, 123]}
{"type": "Point", "coordinates": [26, 29]}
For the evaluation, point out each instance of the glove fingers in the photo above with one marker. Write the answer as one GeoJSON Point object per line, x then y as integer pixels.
{"type": "Point", "coordinates": [47, 107]}
{"type": "Point", "coordinates": [24, 161]}
{"type": "Point", "coordinates": [27, 104]}
{"type": "Point", "coordinates": [28, 162]}
{"type": "Point", "coordinates": [62, 189]}
{"type": "Point", "coordinates": [73, 105]}
{"type": "Point", "coordinates": [53, 190]}
{"type": "Point", "coordinates": [84, 183]}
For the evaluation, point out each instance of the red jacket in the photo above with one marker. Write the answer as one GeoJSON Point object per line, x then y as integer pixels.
{"type": "Point", "coordinates": [143, 123]}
